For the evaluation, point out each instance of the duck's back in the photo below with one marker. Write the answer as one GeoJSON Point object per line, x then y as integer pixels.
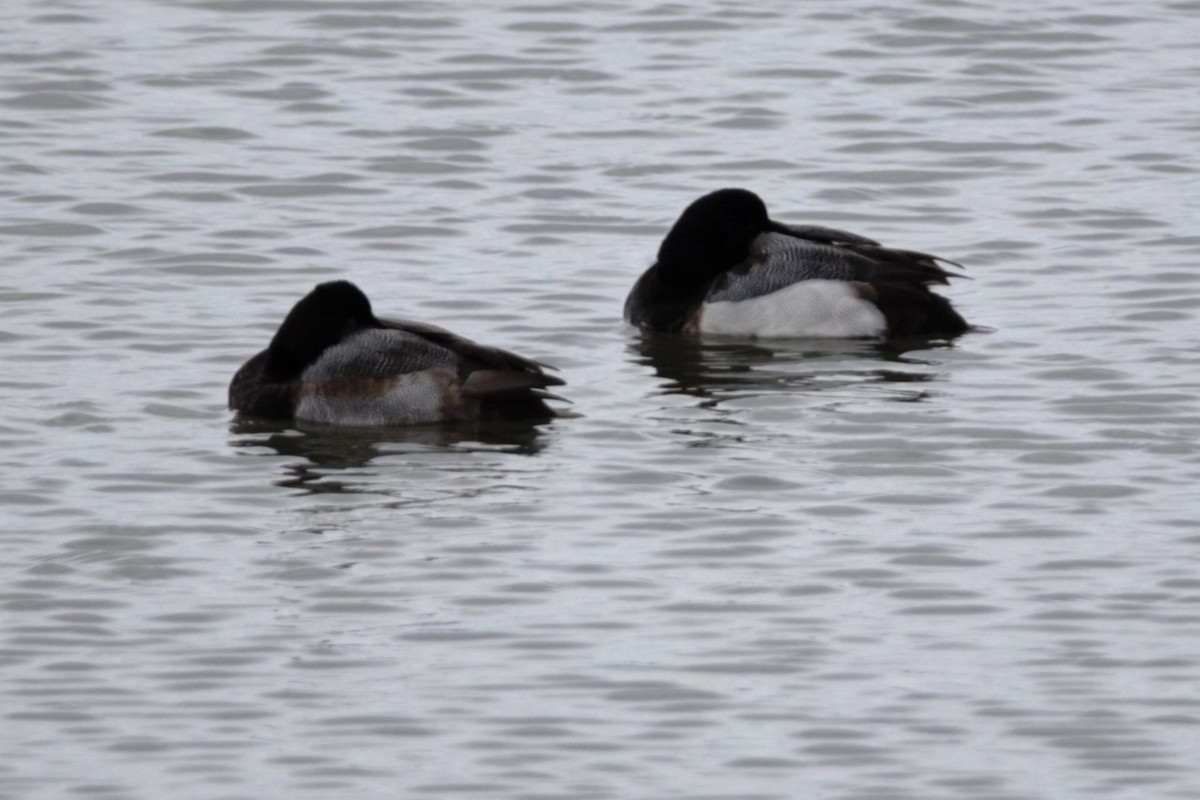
{"type": "Point", "coordinates": [776, 261]}
{"type": "Point", "coordinates": [379, 353]}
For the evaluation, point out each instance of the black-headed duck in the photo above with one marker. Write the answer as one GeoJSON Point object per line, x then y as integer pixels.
{"type": "Point", "coordinates": [334, 362]}
{"type": "Point", "coordinates": [726, 267]}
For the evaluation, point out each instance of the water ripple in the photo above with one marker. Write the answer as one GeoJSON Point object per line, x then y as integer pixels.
{"type": "Point", "coordinates": [827, 563]}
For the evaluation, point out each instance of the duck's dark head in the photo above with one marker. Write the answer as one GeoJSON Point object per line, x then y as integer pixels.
{"type": "Point", "coordinates": [320, 320]}
{"type": "Point", "coordinates": [713, 234]}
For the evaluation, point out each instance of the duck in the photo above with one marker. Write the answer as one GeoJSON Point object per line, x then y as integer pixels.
{"type": "Point", "coordinates": [333, 362]}
{"type": "Point", "coordinates": [727, 268]}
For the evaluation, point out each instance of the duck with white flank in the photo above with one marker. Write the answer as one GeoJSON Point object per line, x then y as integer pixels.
{"type": "Point", "coordinates": [333, 362]}
{"type": "Point", "coordinates": [727, 268]}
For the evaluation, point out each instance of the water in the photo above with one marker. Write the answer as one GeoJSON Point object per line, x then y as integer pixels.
{"type": "Point", "coordinates": [735, 570]}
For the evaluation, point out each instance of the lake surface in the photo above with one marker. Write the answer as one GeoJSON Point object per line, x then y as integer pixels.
{"type": "Point", "coordinates": [752, 570]}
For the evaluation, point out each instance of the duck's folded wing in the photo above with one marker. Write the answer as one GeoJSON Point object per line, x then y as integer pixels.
{"type": "Point", "coordinates": [777, 260]}
{"type": "Point", "coordinates": [927, 266]}
{"type": "Point", "coordinates": [380, 353]}
{"type": "Point", "coordinates": [499, 384]}
{"type": "Point", "coordinates": [819, 233]}
{"type": "Point", "coordinates": [412, 326]}
{"type": "Point", "coordinates": [474, 352]}
{"type": "Point", "coordinates": [377, 353]}
{"type": "Point", "coordinates": [907, 266]}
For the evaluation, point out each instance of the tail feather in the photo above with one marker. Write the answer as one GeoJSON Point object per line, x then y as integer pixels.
{"type": "Point", "coordinates": [496, 384]}
{"type": "Point", "coordinates": [915, 311]}
{"type": "Point", "coordinates": [909, 265]}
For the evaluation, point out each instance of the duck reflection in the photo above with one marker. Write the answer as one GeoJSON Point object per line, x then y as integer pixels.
{"type": "Point", "coordinates": [326, 451]}
{"type": "Point", "coordinates": [714, 369]}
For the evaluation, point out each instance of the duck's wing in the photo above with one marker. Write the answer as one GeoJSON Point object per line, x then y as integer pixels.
{"type": "Point", "coordinates": [777, 260]}
{"type": "Point", "coordinates": [380, 353]}
{"type": "Point", "coordinates": [474, 353]}
{"type": "Point", "coordinates": [506, 384]}
{"type": "Point", "coordinates": [819, 233]}
{"type": "Point", "coordinates": [920, 267]}
{"type": "Point", "coordinates": [412, 326]}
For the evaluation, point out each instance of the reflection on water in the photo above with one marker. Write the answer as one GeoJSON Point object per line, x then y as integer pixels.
{"type": "Point", "coordinates": [327, 451]}
{"type": "Point", "coordinates": [715, 369]}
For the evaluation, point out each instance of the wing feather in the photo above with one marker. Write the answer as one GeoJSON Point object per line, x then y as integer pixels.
{"type": "Point", "coordinates": [777, 260]}
{"type": "Point", "coordinates": [484, 355]}
{"type": "Point", "coordinates": [380, 353]}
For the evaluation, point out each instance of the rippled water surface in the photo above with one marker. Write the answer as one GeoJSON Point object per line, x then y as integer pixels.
{"type": "Point", "coordinates": [761, 570]}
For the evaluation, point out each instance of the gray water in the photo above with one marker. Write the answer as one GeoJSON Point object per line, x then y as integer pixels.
{"type": "Point", "coordinates": [734, 570]}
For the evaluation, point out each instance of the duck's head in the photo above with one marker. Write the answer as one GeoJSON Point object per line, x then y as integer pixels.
{"type": "Point", "coordinates": [714, 233]}
{"type": "Point", "coordinates": [321, 319]}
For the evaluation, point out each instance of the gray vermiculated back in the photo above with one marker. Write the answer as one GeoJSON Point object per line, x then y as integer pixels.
{"type": "Point", "coordinates": [379, 353]}
{"type": "Point", "coordinates": [777, 261]}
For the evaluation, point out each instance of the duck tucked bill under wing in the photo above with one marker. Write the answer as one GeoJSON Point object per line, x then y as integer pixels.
{"type": "Point", "coordinates": [725, 267]}
{"type": "Point", "coordinates": [333, 362]}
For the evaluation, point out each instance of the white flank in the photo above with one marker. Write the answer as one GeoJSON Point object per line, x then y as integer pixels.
{"type": "Point", "coordinates": [814, 308]}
